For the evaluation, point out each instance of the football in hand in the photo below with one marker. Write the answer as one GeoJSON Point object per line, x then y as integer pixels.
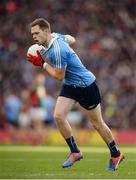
{"type": "Point", "coordinates": [33, 49]}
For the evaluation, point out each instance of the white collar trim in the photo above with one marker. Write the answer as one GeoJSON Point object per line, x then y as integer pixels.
{"type": "Point", "coordinates": [54, 37]}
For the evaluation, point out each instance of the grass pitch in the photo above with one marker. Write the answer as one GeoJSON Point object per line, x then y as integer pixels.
{"type": "Point", "coordinates": [27, 162]}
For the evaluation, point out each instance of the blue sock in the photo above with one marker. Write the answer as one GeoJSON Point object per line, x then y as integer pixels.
{"type": "Point", "coordinates": [72, 145]}
{"type": "Point", "coordinates": [113, 149]}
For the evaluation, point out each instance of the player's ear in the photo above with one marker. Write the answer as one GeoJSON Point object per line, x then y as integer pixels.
{"type": "Point", "coordinates": [46, 30]}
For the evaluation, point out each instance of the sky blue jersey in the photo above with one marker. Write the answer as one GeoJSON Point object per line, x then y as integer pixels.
{"type": "Point", "coordinates": [60, 55]}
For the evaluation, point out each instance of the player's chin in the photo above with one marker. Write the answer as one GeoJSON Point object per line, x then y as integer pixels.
{"type": "Point", "coordinates": [39, 43]}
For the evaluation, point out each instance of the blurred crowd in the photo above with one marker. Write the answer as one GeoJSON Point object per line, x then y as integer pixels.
{"type": "Point", "coordinates": [106, 43]}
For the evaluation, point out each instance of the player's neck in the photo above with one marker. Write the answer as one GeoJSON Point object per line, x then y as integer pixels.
{"type": "Point", "coordinates": [46, 44]}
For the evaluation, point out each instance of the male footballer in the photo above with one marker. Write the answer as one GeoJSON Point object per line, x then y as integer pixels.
{"type": "Point", "coordinates": [79, 85]}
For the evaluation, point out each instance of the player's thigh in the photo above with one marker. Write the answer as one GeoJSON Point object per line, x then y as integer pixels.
{"type": "Point", "coordinates": [95, 115]}
{"type": "Point", "coordinates": [63, 106]}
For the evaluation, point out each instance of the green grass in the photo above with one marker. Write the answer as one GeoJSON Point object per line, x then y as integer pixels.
{"type": "Point", "coordinates": [21, 162]}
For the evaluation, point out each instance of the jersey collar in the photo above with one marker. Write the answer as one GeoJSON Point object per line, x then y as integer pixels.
{"type": "Point", "coordinates": [44, 49]}
{"type": "Point", "coordinates": [54, 37]}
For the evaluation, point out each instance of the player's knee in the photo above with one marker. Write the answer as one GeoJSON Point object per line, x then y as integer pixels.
{"type": "Point", "coordinates": [97, 124]}
{"type": "Point", "coordinates": [58, 118]}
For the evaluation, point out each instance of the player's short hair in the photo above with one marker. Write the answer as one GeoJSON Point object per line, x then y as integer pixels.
{"type": "Point", "coordinates": [43, 24]}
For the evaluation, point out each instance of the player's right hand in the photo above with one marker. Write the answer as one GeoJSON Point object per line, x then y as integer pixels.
{"type": "Point", "coordinates": [36, 60]}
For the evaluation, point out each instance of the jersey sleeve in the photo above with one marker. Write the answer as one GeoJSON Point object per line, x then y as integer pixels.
{"type": "Point", "coordinates": [61, 55]}
{"type": "Point", "coordinates": [61, 36]}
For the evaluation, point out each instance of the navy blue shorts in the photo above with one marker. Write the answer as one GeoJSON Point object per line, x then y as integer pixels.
{"type": "Point", "coordinates": [88, 97]}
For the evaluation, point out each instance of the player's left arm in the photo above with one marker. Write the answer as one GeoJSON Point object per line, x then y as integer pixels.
{"type": "Point", "coordinates": [69, 39]}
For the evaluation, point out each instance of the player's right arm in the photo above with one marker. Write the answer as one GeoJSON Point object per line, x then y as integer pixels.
{"type": "Point", "coordinates": [60, 56]}
{"type": "Point", "coordinates": [57, 73]}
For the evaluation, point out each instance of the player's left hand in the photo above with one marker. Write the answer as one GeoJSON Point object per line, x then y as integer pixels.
{"type": "Point", "coordinates": [36, 60]}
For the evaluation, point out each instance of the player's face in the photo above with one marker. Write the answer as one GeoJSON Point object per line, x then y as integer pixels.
{"type": "Point", "coordinates": [39, 35]}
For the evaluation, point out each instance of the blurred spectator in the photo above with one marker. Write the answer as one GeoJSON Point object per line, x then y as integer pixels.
{"type": "Point", "coordinates": [12, 109]}
{"type": "Point", "coordinates": [24, 119]}
{"type": "Point", "coordinates": [75, 117]}
{"type": "Point", "coordinates": [37, 96]}
{"type": "Point", "coordinates": [49, 104]}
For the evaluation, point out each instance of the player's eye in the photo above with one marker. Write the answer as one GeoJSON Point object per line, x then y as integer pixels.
{"type": "Point", "coordinates": [36, 33]}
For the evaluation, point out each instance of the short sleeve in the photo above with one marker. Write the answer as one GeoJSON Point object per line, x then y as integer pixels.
{"type": "Point", "coordinates": [61, 36]}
